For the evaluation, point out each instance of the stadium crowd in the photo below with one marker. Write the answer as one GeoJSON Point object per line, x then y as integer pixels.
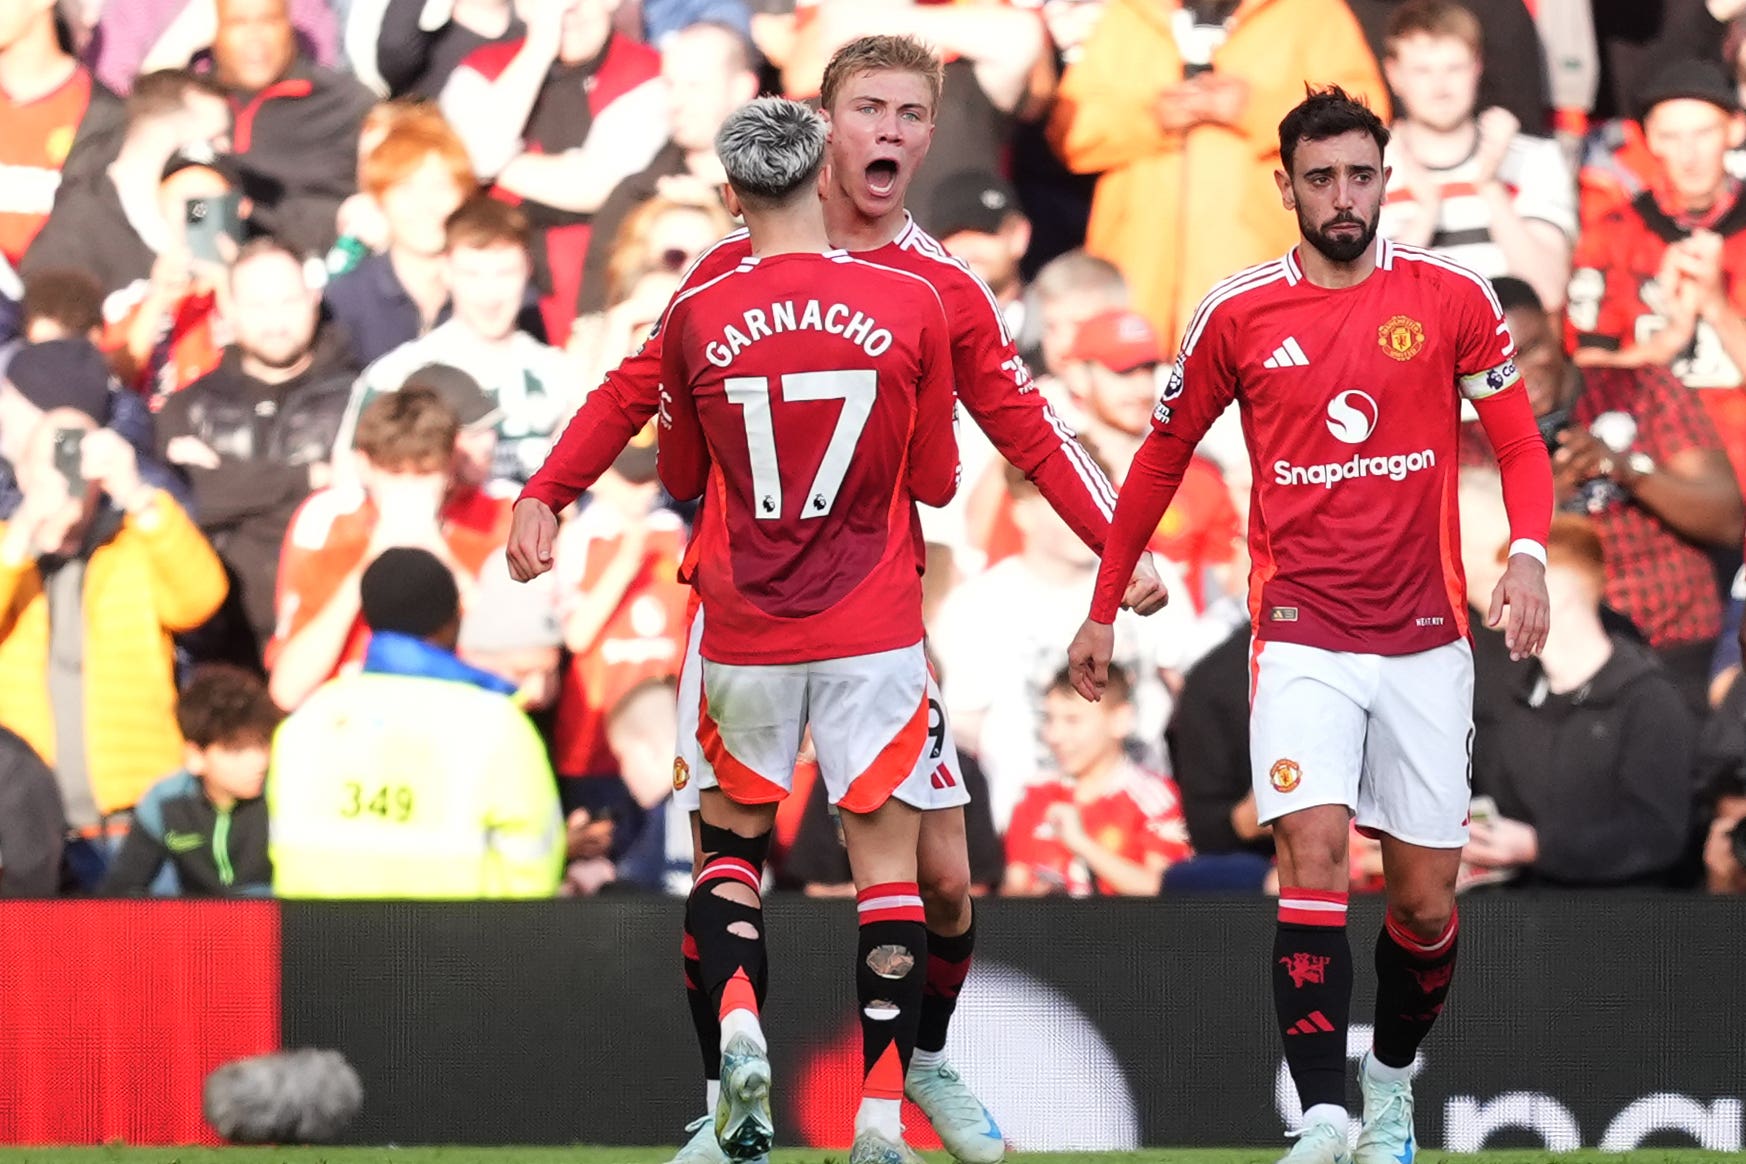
{"type": "Point", "coordinates": [295, 295]}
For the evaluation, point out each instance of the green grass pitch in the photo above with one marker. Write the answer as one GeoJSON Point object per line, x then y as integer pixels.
{"type": "Point", "coordinates": [659, 1155]}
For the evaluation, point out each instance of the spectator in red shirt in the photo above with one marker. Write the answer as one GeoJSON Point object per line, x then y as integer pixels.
{"type": "Point", "coordinates": [1635, 451]}
{"type": "Point", "coordinates": [1660, 280]}
{"type": "Point", "coordinates": [1106, 826]}
{"type": "Point", "coordinates": [44, 93]}
{"type": "Point", "coordinates": [414, 492]}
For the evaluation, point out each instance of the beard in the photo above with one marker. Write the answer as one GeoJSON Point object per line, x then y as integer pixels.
{"type": "Point", "coordinates": [1339, 249]}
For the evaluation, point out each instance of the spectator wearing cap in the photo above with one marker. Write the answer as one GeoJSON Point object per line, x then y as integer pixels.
{"type": "Point", "coordinates": [976, 216]}
{"type": "Point", "coordinates": [1474, 183]}
{"type": "Point", "coordinates": [98, 570]}
{"type": "Point", "coordinates": [58, 318]}
{"type": "Point", "coordinates": [44, 95]}
{"type": "Point", "coordinates": [1119, 357]}
{"type": "Point", "coordinates": [621, 606]}
{"type": "Point", "coordinates": [487, 265]}
{"type": "Point", "coordinates": [1177, 106]}
{"type": "Point", "coordinates": [410, 489]}
{"type": "Point", "coordinates": [111, 223]}
{"type": "Point", "coordinates": [555, 120]}
{"type": "Point", "coordinates": [417, 777]}
{"type": "Point", "coordinates": [297, 124]}
{"type": "Point", "coordinates": [707, 68]}
{"type": "Point", "coordinates": [1660, 280]}
{"type": "Point", "coordinates": [254, 436]}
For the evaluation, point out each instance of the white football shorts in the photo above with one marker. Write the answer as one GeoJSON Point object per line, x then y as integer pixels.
{"type": "Point", "coordinates": [878, 729]}
{"type": "Point", "coordinates": [1388, 736]}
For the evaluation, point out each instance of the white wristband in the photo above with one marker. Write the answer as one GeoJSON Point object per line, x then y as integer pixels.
{"type": "Point", "coordinates": [1529, 547]}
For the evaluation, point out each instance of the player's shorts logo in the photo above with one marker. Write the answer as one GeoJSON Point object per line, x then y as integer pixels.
{"type": "Point", "coordinates": [1401, 337]}
{"type": "Point", "coordinates": [681, 773]}
{"type": "Point", "coordinates": [1285, 775]}
{"type": "Point", "coordinates": [1352, 416]}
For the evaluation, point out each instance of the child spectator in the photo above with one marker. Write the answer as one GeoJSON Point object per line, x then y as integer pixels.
{"type": "Point", "coordinates": [208, 821]}
{"type": "Point", "coordinates": [1105, 825]}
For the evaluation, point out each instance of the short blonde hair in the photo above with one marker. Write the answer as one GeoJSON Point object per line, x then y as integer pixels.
{"type": "Point", "coordinates": [881, 54]}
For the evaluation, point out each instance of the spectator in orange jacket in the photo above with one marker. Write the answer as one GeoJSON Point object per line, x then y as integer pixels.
{"type": "Point", "coordinates": [1178, 110]}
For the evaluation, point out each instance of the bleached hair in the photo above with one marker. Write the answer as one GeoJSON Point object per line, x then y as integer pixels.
{"type": "Point", "coordinates": [770, 148]}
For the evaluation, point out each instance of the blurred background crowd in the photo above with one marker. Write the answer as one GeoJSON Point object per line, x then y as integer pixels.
{"type": "Point", "coordinates": [296, 294]}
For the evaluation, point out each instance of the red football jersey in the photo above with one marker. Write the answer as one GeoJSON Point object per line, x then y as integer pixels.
{"type": "Point", "coordinates": [992, 383]}
{"type": "Point", "coordinates": [1350, 402]}
{"type": "Point", "coordinates": [1140, 819]}
{"type": "Point", "coordinates": [811, 396]}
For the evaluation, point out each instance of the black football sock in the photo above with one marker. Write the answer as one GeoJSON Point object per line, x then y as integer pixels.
{"type": "Point", "coordinates": [1412, 982]}
{"type": "Point", "coordinates": [1312, 992]}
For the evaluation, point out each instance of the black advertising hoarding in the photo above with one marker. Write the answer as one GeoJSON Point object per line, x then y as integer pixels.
{"type": "Point", "coordinates": [1582, 1020]}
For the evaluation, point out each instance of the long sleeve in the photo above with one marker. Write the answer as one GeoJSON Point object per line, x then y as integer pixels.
{"type": "Point", "coordinates": [1151, 482]}
{"type": "Point", "coordinates": [683, 456]}
{"type": "Point", "coordinates": [610, 416]}
{"type": "Point", "coordinates": [1522, 461]}
{"type": "Point", "coordinates": [933, 445]}
{"type": "Point", "coordinates": [996, 389]}
{"type": "Point", "coordinates": [136, 865]}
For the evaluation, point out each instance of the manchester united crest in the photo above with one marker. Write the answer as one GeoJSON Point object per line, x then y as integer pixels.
{"type": "Point", "coordinates": [681, 773]}
{"type": "Point", "coordinates": [1285, 775]}
{"type": "Point", "coordinates": [1401, 337]}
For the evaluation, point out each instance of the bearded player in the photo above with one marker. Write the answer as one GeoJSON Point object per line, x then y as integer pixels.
{"type": "Point", "coordinates": [879, 95]}
{"type": "Point", "coordinates": [1349, 358]}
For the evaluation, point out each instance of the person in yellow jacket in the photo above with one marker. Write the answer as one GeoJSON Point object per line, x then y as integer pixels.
{"type": "Point", "coordinates": [1177, 103]}
{"type": "Point", "coordinates": [418, 776]}
{"type": "Point", "coordinates": [98, 571]}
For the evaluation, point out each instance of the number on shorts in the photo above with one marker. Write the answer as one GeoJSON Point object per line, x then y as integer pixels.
{"type": "Point", "coordinates": [855, 388]}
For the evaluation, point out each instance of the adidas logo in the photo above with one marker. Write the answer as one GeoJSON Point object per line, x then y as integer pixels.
{"type": "Point", "coordinates": [1316, 1023]}
{"type": "Point", "coordinates": [1287, 355]}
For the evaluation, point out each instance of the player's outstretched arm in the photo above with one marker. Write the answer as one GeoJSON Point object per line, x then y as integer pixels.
{"type": "Point", "coordinates": [599, 431]}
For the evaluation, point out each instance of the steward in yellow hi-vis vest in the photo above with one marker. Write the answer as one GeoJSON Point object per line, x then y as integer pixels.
{"type": "Point", "coordinates": [417, 777]}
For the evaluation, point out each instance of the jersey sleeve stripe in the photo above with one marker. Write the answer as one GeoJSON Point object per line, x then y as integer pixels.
{"type": "Point", "coordinates": [917, 240]}
{"type": "Point", "coordinates": [1448, 264]}
{"type": "Point", "coordinates": [932, 290]}
{"type": "Point", "coordinates": [1096, 483]}
{"type": "Point", "coordinates": [1250, 280]}
{"type": "Point", "coordinates": [688, 293]}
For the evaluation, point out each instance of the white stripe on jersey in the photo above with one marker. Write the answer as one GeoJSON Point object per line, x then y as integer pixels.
{"type": "Point", "coordinates": [914, 238]}
{"type": "Point", "coordinates": [1250, 279]}
{"type": "Point", "coordinates": [1080, 458]}
{"type": "Point", "coordinates": [932, 290]}
{"type": "Point", "coordinates": [1419, 255]}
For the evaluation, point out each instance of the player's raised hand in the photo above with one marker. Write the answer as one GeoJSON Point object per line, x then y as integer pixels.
{"type": "Point", "coordinates": [532, 530]}
{"type": "Point", "coordinates": [1522, 593]}
{"type": "Point", "coordinates": [1088, 658]}
{"type": "Point", "coordinates": [1146, 592]}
